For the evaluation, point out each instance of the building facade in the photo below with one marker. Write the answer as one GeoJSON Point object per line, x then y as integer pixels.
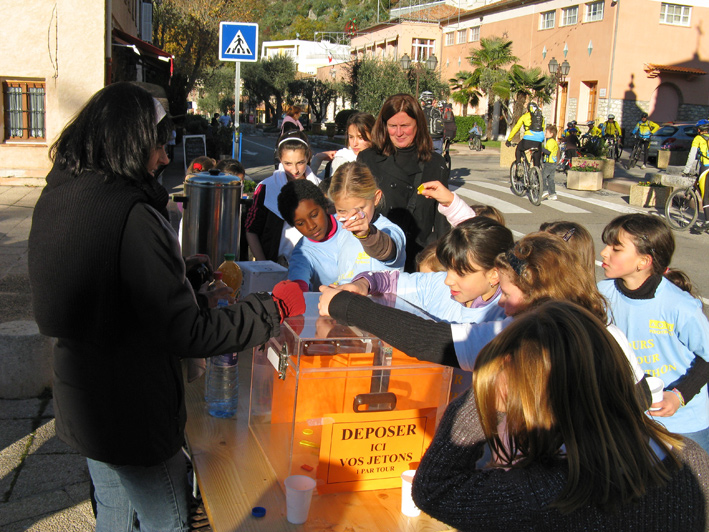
{"type": "Point", "coordinates": [57, 55]}
{"type": "Point", "coordinates": [626, 57]}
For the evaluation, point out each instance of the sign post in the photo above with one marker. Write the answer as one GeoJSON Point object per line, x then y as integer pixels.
{"type": "Point", "coordinates": [238, 41]}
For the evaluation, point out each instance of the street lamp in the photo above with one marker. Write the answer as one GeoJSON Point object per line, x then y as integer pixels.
{"type": "Point", "coordinates": [431, 63]}
{"type": "Point", "coordinates": [559, 72]}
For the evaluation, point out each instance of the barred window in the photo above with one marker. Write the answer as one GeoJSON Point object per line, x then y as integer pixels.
{"type": "Point", "coordinates": [594, 11]}
{"type": "Point", "coordinates": [24, 110]}
{"type": "Point", "coordinates": [461, 36]}
{"type": "Point", "coordinates": [569, 16]}
{"type": "Point", "coordinates": [547, 20]}
{"type": "Point", "coordinates": [475, 34]}
{"type": "Point", "coordinates": [675, 14]}
{"type": "Point", "coordinates": [449, 39]}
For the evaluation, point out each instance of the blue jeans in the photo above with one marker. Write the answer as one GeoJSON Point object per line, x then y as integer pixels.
{"type": "Point", "coordinates": [145, 499]}
{"type": "Point", "coordinates": [701, 437]}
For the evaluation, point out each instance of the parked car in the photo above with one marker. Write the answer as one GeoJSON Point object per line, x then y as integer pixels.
{"type": "Point", "coordinates": [675, 137]}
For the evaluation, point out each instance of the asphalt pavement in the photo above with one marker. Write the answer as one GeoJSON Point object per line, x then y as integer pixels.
{"type": "Point", "coordinates": [44, 485]}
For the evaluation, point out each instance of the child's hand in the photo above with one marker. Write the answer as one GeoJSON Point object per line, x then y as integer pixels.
{"type": "Point", "coordinates": [665, 408]}
{"type": "Point", "coordinates": [437, 191]}
{"type": "Point", "coordinates": [328, 292]}
{"type": "Point", "coordinates": [355, 221]}
{"type": "Point", "coordinates": [360, 286]}
{"type": "Point", "coordinates": [325, 155]}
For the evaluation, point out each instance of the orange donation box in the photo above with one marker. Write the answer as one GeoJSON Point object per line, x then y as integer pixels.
{"type": "Point", "coordinates": [340, 405]}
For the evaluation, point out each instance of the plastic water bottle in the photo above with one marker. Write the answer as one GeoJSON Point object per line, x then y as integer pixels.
{"type": "Point", "coordinates": [221, 391]}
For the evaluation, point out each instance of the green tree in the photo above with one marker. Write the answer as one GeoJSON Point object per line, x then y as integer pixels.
{"type": "Point", "coordinates": [279, 70]}
{"type": "Point", "coordinates": [523, 85]}
{"type": "Point", "coordinates": [371, 81]}
{"type": "Point", "coordinates": [216, 92]}
{"type": "Point", "coordinates": [317, 93]}
{"type": "Point", "coordinates": [189, 29]}
{"type": "Point", "coordinates": [490, 76]}
{"type": "Point", "coordinates": [267, 80]}
{"type": "Point", "coordinates": [257, 87]}
{"type": "Point", "coordinates": [463, 92]}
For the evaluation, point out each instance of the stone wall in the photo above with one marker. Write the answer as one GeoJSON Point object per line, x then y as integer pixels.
{"type": "Point", "coordinates": [692, 112]}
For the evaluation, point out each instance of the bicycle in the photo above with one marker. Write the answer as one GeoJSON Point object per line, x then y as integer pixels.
{"type": "Point", "coordinates": [474, 143]}
{"type": "Point", "coordinates": [614, 150]}
{"type": "Point", "coordinates": [638, 152]}
{"type": "Point", "coordinates": [526, 178]}
{"type": "Point", "coordinates": [683, 205]}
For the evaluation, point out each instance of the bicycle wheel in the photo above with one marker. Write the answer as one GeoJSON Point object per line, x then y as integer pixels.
{"type": "Point", "coordinates": [477, 144]}
{"type": "Point", "coordinates": [471, 144]}
{"type": "Point", "coordinates": [517, 180]}
{"type": "Point", "coordinates": [634, 156]}
{"type": "Point", "coordinates": [534, 189]}
{"type": "Point", "coordinates": [682, 208]}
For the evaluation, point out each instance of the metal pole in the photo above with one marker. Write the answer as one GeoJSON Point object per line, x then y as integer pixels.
{"type": "Point", "coordinates": [556, 102]}
{"type": "Point", "coordinates": [237, 98]}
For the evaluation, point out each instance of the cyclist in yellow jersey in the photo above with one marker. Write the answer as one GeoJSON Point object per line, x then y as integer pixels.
{"type": "Point", "coordinates": [644, 129]}
{"type": "Point", "coordinates": [533, 123]}
{"type": "Point", "coordinates": [700, 152]}
{"type": "Point", "coordinates": [610, 128]}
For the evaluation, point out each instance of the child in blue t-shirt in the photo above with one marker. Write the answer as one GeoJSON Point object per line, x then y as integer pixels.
{"type": "Point", "coordinates": [664, 322]}
{"type": "Point", "coordinates": [332, 249]}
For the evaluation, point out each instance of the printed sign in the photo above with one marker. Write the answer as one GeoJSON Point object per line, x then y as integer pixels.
{"type": "Point", "coordinates": [238, 41]}
{"type": "Point", "coordinates": [366, 451]}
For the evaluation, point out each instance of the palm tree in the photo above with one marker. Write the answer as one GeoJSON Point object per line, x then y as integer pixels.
{"type": "Point", "coordinates": [464, 92]}
{"type": "Point", "coordinates": [523, 85]}
{"type": "Point", "coordinates": [489, 75]}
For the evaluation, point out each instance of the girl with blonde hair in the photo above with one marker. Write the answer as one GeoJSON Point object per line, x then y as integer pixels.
{"type": "Point", "coordinates": [577, 452]}
{"type": "Point", "coordinates": [370, 241]}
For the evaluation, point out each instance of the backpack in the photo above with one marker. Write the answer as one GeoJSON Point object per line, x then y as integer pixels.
{"type": "Point", "coordinates": [435, 122]}
{"type": "Point", "coordinates": [537, 123]}
{"type": "Point", "coordinates": [449, 126]}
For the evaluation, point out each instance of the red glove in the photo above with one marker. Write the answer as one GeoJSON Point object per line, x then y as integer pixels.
{"type": "Point", "coordinates": [289, 299]}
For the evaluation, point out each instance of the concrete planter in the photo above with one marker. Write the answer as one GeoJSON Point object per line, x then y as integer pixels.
{"type": "Point", "coordinates": [316, 128]}
{"type": "Point", "coordinates": [576, 180]}
{"type": "Point", "coordinates": [607, 168]}
{"type": "Point", "coordinates": [667, 158]}
{"type": "Point", "coordinates": [507, 155]}
{"type": "Point", "coordinates": [331, 129]}
{"type": "Point", "coordinates": [644, 196]}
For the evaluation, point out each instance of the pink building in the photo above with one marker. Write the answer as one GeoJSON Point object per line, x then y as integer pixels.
{"type": "Point", "coordinates": [626, 57]}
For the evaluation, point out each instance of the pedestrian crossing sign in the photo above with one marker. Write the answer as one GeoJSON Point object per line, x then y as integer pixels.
{"type": "Point", "coordinates": [238, 41]}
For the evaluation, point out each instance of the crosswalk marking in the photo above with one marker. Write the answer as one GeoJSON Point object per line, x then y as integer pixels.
{"type": "Point", "coordinates": [600, 203]}
{"type": "Point", "coordinates": [504, 206]}
{"type": "Point", "coordinates": [557, 205]}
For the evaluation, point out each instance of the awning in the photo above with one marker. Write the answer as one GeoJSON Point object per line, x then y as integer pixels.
{"type": "Point", "coordinates": [143, 47]}
{"type": "Point", "coordinates": [654, 70]}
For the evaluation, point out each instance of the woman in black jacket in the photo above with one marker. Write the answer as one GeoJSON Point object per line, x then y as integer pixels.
{"type": "Point", "coordinates": [108, 282]}
{"type": "Point", "coordinates": [401, 158]}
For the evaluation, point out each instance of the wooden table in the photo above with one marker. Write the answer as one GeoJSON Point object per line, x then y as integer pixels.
{"type": "Point", "coordinates": [234, 476]}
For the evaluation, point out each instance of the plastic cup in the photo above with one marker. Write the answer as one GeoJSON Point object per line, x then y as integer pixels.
{"type": "Point", "coordinates": [299, 492]}
{"type": "Point", "coordinates": [657, 387]}
{"type": "Point", "coordinates": [408, 507]}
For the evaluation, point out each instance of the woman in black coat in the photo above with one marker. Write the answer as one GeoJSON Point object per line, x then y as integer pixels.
{"type": "Point", "coordinates": [401, 158]}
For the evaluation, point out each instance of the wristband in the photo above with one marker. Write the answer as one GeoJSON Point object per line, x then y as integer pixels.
{"type": "Point", "coordinates": [679, 396]}
{"type": "Point", "coordinates": [362, 237]}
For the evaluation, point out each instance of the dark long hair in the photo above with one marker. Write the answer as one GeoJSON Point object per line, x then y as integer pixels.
{"type": "Point", "coordinates": [113, 134]}
{"type": "Point", "coordinates": [407, 104]}
{"type": "Point", "coordinates": [478, 239]}
{"type": "Point", "coordinates": [651, 235]}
